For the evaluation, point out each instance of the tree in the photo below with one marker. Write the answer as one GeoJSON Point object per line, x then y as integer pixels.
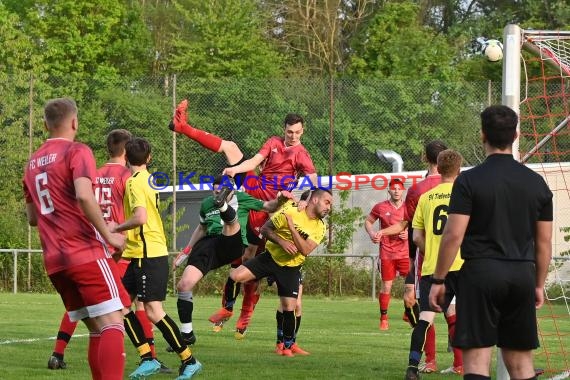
{"type": "Point", "coordinates": [396, 45]}
{"type": "Point", "coordinates": [317, 34]}
{"type": "Point", "coordinates": [17, 60]}
{"type": "Point", "coordinates": [223, 39]}
{"type": "Point", "coordinates": [80, 39]}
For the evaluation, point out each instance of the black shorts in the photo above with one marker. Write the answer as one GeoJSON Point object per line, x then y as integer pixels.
{"type": "Point", "coordinates": [252, 237]}
{"type": "Point", "coordinates": [287, 278]}
{"type": "Point", "coordinates": [212, 252]}
{"type": "Point", "coordinates": [496, 305]}
{"type": "Point", "coordinates": [450, 288]}
{"type": "Point", "coordinates": [147, 278]}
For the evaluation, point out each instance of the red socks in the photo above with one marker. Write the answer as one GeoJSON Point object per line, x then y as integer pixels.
{"type": "Point", "coordinates": [457, 354]}
{"type": "Point", "coordinates": [384, 299]}
{"type": "Point", "coordinates": [66, 330]}
{"type": "Point", "coordinates": [429, 346]}
{"type": "Point", "coordinates": [112, 356]}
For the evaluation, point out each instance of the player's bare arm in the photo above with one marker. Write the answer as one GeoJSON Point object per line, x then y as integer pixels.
{"type": "Point", "coordinates": [198, 233]}
{"type": "Point", "coordinates": [419, 237]}
{"type": "Point", "coordinates": [369, 227]}
{"type": "Point", "coordinates": [268, 230]}
{"type": "Point", "coordinates": [543, 253]}
{"type": "Point", "coordinates": [245, 166]}
{"type": "Point", "coordinates": [394, 229]}
{"type": "Point", "coordinates": [86, 200]}
{"type": "Point", "coordinates": [282, 197]}
{"type": "Point", "coordinates": [137, 219]}
{"type": "Point", "coordinates": [304, 246]}
{"type": "Point", "coordinates": [31, 214]}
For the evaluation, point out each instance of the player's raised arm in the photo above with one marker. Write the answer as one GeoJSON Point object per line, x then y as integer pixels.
{"type": "Point", "coordinates": [244, 167]}
{"type": "Point", "coordinates": [304, 246]}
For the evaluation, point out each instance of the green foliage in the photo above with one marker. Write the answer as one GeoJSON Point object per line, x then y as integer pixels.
{"type": "Point", "coordinates": [81, 39]}
{"type": "Point", "coordinates": [223, 39]}
{"type": "Point", "coordinates": [566, 231]}
{"type": "Point", "coordinates": [396, 45]}
{"type": "Point", "coordinates": [167, 219]}
{"type": "Point", "coordinates": [343, 221]}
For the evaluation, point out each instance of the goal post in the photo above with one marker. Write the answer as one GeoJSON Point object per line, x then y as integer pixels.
{"type": "Point", "coordinates": [536, 85]}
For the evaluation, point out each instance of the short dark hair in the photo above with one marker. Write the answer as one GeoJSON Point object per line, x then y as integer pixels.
{"type": "Point", "coordinates": [116, 140]}
{"type": "Point", "coordinates": [449, 162]}
{"type": "Point", "coordinates": [138, 151]}
{"type": "Point", "coordinates": [320, 191]}
{"type": "Point", "coordinates": [499, 124]}
{"type": "Point", "coordinates": [394, 182]}
{"type": "Point", "coordinates": [433, 149]}
{"type": "Point", "coordinates": [293, 118]}
{"type": "Point", "coordinates": [57, 110]}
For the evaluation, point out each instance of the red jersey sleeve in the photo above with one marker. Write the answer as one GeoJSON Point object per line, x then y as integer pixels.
{"type": "Point", "coordinates": [304, 163]}
{"type": "Point", "coordinates": [411, 203]}
{"type": "Point", "coordinates": [82, 162]}
{"type": "Point", "coordinates": [375, 212]}
{"type": "Point", "coordinates": [266, 148]}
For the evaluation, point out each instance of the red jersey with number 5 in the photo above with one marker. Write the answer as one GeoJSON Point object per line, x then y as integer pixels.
{"type": "Point", "coordinates": [67, 237]}
{"type": "Point", "coordinates": [110, 190]}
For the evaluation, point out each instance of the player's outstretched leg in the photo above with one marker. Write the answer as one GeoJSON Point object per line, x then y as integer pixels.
{"type": "Point", "coordinates": [231, 291]}
{"type": "Point", "coordinates": [66, 330]}
{"type": "Point", "coordinates": [179, 124]}
{"type": "Point", "coordinates": [250, 299]}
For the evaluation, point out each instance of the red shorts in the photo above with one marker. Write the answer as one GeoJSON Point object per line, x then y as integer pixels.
{"type": "Point", "coordinates": [91, 290]}
{"type": "Point", "coordinates": [123, 265]}
{"type": "Point", "coordinates": [389, 268]}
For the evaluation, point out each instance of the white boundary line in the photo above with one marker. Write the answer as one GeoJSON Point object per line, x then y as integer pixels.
{"type": "Point", "coordinates": [31, 340]}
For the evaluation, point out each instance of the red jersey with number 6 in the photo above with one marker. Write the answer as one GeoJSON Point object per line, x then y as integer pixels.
{"type": "Point", "coordinates": [67, 237]}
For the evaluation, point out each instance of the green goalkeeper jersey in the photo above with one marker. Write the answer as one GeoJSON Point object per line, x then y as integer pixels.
{"type": "Point", "coordinates": [241, 202]}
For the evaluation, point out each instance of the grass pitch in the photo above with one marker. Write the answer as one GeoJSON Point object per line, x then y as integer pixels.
{"type": "Point", "coordinates": [341, 334]}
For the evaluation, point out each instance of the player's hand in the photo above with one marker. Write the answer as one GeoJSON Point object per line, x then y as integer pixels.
{"type": "Point", "coordinates": [403, 235]}
{"type": "Point", "coordinates": [230, 172]}
{"type": "Point", "coordinates": [301, 205]}
{"type": "Point", "coordinates": [437, 297]}
{"type": "Point", "coordinates": [180, 118]}
{"type": "Point", "coordinates": [117, 240]}
{"type": "Point", "coordinates": [248, 254]}
{"type": "Point", "coordinates": [181, 257]}
{"type": "Point", "coordinates": [289, 247]}
{"type": "Point", "coordinates": [375, 237]}
{"type": "Point", "coordinates": [284, 194]}
{"type": "Point", "coordinates": [539, 297]}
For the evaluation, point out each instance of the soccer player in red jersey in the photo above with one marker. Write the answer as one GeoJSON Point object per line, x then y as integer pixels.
{"type": "Point", "coordinates": [109, 191]}
{"type": "Point", "coordinates": [282, 160]}
{"type": "Point", "coordinates": [393, 257]}
{"type": "Point", "coordinates": [411, 307]}
{"type": "Point", "coordinates": [60, 202]}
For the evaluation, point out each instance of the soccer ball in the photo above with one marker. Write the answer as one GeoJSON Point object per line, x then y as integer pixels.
{"type": "Point", "coordinates": [493, 50]}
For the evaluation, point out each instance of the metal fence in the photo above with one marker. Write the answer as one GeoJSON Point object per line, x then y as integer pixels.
{"type": "Point", "coordinates": [22, 270]}
{"type": "Point", "coordinates": [347, 120]}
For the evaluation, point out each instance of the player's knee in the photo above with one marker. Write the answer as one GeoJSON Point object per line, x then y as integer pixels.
{"type": "Point", "coordinates": [184, 285]}
{"type": "Point", "coordinates": [231, 149]}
